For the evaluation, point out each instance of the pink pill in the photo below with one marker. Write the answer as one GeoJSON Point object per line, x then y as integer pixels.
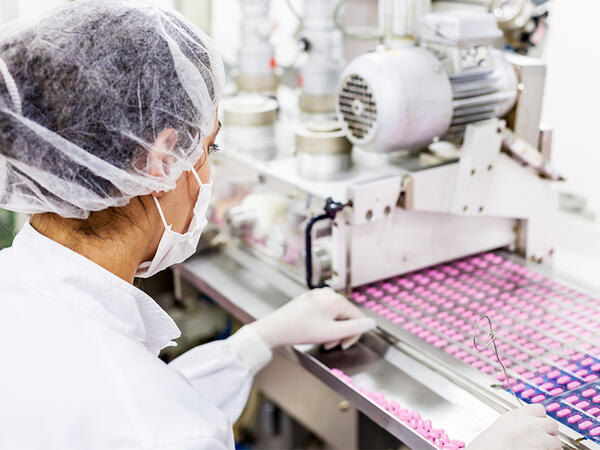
{"type": "Point", "coordinates": [478, 364]}
{"type": "Point", "coordinates": [547, 386]}
{"type": "Point", "coordinates": [537, 380]}
{"type": "Point", "coordinates": [557, 391]}
{"type": "Point", "coordinates": [552, 407]}
{"type": "Point", "coordinates": [590, 378]}
{"type": "Point", "coordinates": [440, 343]}
{"type": "Point", "coordinates": [544, 369]}
{"type": "Point", "coordinates": [573, 385]}
{"type": "Point", "coordinates": [528, 393]}
{"type": "Point", "coordinates": [554, 374]}
{"type": "Point", "coordinates": [487, 369]}
{"type": "Point", "coordinates": [582, 405]}
{"type": "Point", "coordinates": [538, 398]}
{"type": "Point", "coordinates": [588, 393]}
{"type": "Point", "coordinates": [563, 412]}
{"type": "Point", "coordinates": [574, 419]}
{"type": "Point", "coordinates": [593, 411]}
{"type": "Point", "coordinates": [572, 399]}
{"type": "Point", "coordinates": [563, 380]}
{"type": "Point", "coordinates": [595, 367]}
{"type": "Point", "coordinates": [586, 362]}
{"type": "Point", "coordinates": [585, 424]}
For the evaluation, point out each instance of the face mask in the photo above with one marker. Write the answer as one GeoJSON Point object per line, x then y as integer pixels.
{"type": "Point", "coordinates": [174, 247]}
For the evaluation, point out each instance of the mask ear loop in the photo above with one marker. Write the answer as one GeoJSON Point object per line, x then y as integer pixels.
{"type": "Point", "coordinates": [160, 212]}
{"type": "Point", "coordinates": [197, 177]}
{"type": "Point", "coordinates": [11, 86]}
{"type": "Point", "coordinates": [492, 342]}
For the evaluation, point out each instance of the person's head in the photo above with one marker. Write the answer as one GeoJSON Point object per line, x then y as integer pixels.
{"type": "Point", "coordinates": [104, 103]}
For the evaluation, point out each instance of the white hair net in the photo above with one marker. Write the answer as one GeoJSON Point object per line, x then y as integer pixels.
{"type": "Point", "coordinates": [85, 92]}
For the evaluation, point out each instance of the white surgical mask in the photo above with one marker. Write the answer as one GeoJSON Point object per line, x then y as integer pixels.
{"type": "Point", "coordinates": [174, 247]}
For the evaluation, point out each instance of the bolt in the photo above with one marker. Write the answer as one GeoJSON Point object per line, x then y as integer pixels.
{"type": "Point", "coordinates": [473, 172]}
{"type": "Point", "coordinates": [465, 208]}
{"type": "Point", "coordinates": [490, 167]}
{"type": "Point", "coordinates": [499, 130]}
{"type": "Point", "coordinates": [387, 210]}
{"type": "Point", "coordinates": [369, 215]}
{"type": "Point", "coordinates": [481, 209]}
{"type": "Point", "coordinates": [344, 405]}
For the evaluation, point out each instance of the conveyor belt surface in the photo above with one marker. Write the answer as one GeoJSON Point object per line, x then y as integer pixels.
{"type": "Point", "coordinates": [547, 333]}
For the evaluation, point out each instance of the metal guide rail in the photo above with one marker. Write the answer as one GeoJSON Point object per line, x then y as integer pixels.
{"type": "Point", "coordinates": [547, 333]}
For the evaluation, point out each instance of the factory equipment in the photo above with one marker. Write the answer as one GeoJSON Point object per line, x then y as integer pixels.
{"type": "Point", "coordinates": [323, 44]}
{"type": "Point", "coordinates": [524, 22]}
{"type": "Point", "coordinates": [256, 61]}
{"type": "Point", "coordinates": [423, 202]}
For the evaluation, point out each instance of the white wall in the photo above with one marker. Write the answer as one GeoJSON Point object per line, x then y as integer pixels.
{"type": "Point", "coordinates": [572, 102]}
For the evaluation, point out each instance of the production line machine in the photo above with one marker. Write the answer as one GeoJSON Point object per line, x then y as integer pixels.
{"type": "Point", "coordinates": [419, 184]}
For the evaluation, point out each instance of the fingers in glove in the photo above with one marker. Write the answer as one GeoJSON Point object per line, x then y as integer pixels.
{"type": "Point", "coordinates": [550, 426]}
{"type": "Point", "coordinates": [331, 344]}
{"type": "Point", "coordinates": [350, 341]}
{"type": "Point", "coordinates": [346, 328]}
{"type": "Point", "coordinates": [533, 410]}
{"type": "Point", "coordinates": [344, 309]}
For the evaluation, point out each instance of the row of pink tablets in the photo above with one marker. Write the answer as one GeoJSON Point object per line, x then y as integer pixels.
{"type": "Point", "coordinates": [427, 296]}
{"type": "Point", "coordinates": [412, 418]}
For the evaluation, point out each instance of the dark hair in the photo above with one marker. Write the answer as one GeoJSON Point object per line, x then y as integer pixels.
{"type": "Point", "coordinates": [105, 81]}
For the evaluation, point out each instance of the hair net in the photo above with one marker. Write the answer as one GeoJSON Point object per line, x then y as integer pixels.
{"type": "Point", "coordinates": [84, 93]}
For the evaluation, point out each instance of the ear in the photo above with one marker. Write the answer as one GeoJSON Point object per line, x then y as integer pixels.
{"type": "Point", "coordinates": [159, 154]}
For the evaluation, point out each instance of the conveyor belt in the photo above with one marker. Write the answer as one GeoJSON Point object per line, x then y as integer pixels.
{"type": "Point", "coordinates": [547, 333]}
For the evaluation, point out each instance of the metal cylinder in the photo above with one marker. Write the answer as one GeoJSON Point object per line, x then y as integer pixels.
{"type": "Point", "coordinates": [325, 51]}
{"type": "Point", "coordinates": [249, 124]}
{"type": "Point", "coordinates": [322, 150]}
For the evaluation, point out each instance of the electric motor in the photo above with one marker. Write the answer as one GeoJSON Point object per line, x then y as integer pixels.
{"type": "Point", "coordinates": [402, 99]}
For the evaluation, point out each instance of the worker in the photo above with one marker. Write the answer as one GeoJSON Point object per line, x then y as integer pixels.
{"type": "Point", "coordinates": [108, 115]}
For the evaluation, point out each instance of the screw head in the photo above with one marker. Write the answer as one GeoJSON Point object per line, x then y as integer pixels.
{"type": "Point", "coordinates": [465, 208]}
{"type": "Point", "coordinates": [387, 210]}
{"type": "Point", "coordinates": [369, 215]}
{"type": "Point", "coordinates": [473, 172]}
{"type": "Point", "coordinates": [344, 405]}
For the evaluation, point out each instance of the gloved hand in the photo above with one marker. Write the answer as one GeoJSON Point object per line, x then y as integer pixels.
{"type": "Point", "coordinates": [320, 316]}
{"type": "Point", "coordinates": [525, 428]}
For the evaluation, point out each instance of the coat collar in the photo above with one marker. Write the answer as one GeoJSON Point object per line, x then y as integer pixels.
{"type": "Point", "coordinates": [64, 275]}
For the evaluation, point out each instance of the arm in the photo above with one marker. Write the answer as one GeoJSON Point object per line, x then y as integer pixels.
{"type": "Point", "coordinates": [223, 371]}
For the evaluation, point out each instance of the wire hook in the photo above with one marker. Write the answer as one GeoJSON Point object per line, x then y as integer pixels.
{"type": "Point", "coordinates": [492, 341]}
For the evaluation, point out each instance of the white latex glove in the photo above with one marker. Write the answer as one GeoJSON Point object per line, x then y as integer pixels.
{"type": "Point", "coordinates": [320, 316]}
{"type": "Point", "coordinates": [525, 428]}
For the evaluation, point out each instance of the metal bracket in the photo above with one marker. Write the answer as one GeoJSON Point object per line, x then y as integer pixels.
{"type": "Point", "coordinates": [479, 153]}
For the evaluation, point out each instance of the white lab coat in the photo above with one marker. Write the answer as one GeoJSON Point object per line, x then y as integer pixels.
{"type": "Point", "coordinates": [79, 361]}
